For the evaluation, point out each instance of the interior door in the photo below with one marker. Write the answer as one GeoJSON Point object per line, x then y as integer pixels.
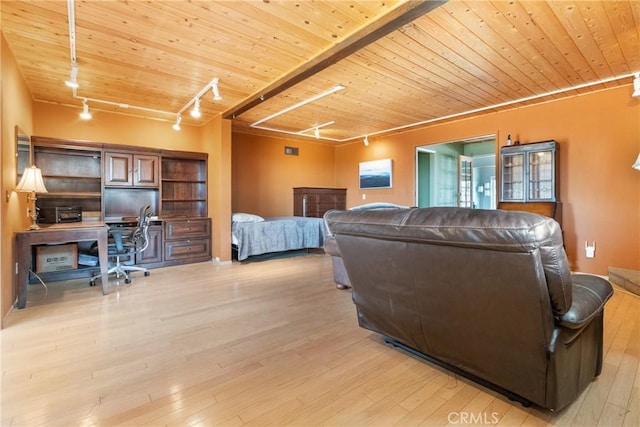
{"type": "Point", "coordinates": [465, 182]}
{"type": "Point", "coordinates": [444, 178]}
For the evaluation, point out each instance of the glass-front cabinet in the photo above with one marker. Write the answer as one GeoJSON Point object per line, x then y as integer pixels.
{"type": "Point", "coordinates": [529, 172]}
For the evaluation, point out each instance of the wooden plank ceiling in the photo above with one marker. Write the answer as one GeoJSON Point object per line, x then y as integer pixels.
{"type": "Point", "coordinates": [401, 62]}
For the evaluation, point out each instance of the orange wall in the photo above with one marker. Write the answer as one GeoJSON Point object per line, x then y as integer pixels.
{"type": "Point", "coordinates": [599, 139]}
{"type": "Point", "coordinates": [15, 111]}
{"type": "Point", "coordinates": [217, 134]}
{"type": "Point", "coordinates": [63, 122]}
{"type": "Point", "coordinates": [263, 177]}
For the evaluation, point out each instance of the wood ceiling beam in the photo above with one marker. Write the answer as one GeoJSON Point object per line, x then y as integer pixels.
{"type": "Point", "coordinates": [395, 19]}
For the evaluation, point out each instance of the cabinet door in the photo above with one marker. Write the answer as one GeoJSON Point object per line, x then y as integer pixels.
{"type": "Point", "coordinates": [153, 253]}
{"type": "Point", "coordinates": [465, 181]}
{"type": "Point", "coordinates": [117, 169]}
{"type": "Point", "coordinates": [131, 170]}
{"type": "Point", "coordinates": [513, 177]}
{"type": "Point", "coordinates": [541, 176]}
{"type": "Point", "coordinates": [145, 171]}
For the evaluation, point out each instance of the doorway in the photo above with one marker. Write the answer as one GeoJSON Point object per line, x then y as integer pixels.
{"type": "Point", "coordinates": [457, 173]}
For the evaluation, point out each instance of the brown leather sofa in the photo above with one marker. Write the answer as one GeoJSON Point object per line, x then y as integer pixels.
{"type": "Point", "coordinates": [340, 276]}
{"type": "Point", "coordinates": [487, 294]}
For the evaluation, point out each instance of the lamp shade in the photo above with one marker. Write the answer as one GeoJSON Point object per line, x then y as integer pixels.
{"type": "Point", "coordinates": [636, 165]}
{"type": "Point", "coordinates": [31, 181]}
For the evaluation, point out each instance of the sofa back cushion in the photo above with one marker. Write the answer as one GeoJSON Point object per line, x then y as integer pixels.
{"type": "Point", "coordinates": [488, 230]}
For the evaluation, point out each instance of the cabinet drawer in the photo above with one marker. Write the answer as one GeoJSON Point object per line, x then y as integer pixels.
{"type": "Point", "coordinates": [186, 249]}
{"type": "Point", "coordinates": [183, 228]}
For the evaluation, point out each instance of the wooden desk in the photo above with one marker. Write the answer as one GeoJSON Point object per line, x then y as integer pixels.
{"type": "Point", "coordinates": [55, 234]}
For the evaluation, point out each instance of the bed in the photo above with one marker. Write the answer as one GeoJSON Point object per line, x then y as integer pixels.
{"type": "Point", "coordinates": [254, 235]}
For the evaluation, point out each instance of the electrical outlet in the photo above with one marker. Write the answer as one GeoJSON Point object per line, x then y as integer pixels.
{"type": "Point", "coordinates": [364, 197]}
{"type": "Point", "coordinates": [590, 249]}
{"type": "Point", "coordinates": [16, 268]}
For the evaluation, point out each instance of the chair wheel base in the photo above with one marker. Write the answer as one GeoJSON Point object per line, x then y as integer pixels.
{"type": "Point", "coordinates": [92, 283]}
{"type": "Point", "coordinates": [127, 280]}
{"type": "Point", "coordinates": [147, 273]}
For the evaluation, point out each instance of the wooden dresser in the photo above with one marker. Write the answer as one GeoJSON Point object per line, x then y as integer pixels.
{"type": "Point", "coordinates": [315, 201]}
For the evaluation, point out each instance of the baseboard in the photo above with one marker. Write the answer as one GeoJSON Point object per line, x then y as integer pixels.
{"type": "Point", "coordinates": [626, 279]}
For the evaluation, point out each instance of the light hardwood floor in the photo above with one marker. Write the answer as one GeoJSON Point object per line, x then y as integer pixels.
{"type": "Point", "coordinates": [264, 343]}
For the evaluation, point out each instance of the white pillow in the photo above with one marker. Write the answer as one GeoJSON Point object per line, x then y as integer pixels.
{"type": "Point", "coordinates": [246, 217]}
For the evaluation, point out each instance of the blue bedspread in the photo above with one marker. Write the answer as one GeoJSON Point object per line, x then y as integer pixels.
{"type": "Point", "coordinates": [277, 234]}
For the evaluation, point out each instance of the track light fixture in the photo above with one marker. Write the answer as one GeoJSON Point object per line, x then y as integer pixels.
{"type": "Point", "coordinates": [636, 86]}
{"type": "Point", "coordinates": [215, 90]}
{"type": "Point", "coordinates": [299, 104]}
{"type": "Point", "coordinates": [315, 129]}
{"type": "Point", "coordinates": [73, 78]}
{"type": "Point", "coordinates": [195, 113]}
{"type": "Point", "coordinates": [366, 140]}
{"type": "Point", "coordinates": [85, 115]}
{"type": "Point", "coordinates": [176, 125]}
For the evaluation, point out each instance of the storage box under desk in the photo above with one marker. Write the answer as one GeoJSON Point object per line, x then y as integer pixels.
{"type": "Point", "coordinates": [56, 257]}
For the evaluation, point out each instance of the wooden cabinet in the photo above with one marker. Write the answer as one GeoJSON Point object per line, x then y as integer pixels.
{"type": "Point", "coordinates": [184, 185]}
{"type": "Point", "coordinates": [315, 201]}
{"type": "Point", "coordinates": [72, 175]}
{"type": "Point", "coordinates": [131, 170]}
{"type": "Point", "coordinates": [187, 239]}
{"type": "Point", "coordinates": [187, 230]}
{"type": "Point", "coordinates": [529, 179]}
{"type": "Point", "coordinates": [550, 209]}
{"type": "Point", "coordinates": [112, 182]}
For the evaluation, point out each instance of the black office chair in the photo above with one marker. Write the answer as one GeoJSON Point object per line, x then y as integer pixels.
{"type": "Point", "coordinates": [129, 243]}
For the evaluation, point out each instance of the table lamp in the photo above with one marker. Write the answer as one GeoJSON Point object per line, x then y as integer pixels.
{"type": "Point", "coordinates": [31, 182]}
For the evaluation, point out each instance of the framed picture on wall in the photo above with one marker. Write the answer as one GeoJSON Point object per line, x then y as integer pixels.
{"type": "Point", "coordinates": [376, 174]}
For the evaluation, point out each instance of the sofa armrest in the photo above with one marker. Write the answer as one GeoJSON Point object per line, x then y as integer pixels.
{"type": "Point", "coordinates": [590, 293]}
{"type": "Point", "coordinates": [331, 246]}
